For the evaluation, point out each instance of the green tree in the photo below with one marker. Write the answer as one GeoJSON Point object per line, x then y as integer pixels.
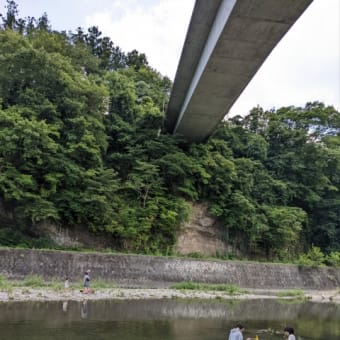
{"type": "Point", "coordinates": [9, 20]}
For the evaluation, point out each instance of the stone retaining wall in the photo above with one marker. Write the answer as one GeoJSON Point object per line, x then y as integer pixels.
{"type": "Point", "coordinates": [138, 270]}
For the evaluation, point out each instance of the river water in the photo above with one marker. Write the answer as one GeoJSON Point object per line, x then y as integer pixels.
{"type": "Point", "coordinates": [166, 320]}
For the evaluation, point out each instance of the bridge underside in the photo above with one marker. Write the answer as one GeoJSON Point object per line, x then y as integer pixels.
{"type": "Point", "coordinates": [226, 43]}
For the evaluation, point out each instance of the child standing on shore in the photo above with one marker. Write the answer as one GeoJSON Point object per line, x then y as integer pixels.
{"type": "Point", "coordinates": [66, 284]}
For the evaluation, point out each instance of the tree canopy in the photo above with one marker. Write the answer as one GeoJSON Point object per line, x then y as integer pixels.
{"type": "Point", "coordinates": [82, 143]}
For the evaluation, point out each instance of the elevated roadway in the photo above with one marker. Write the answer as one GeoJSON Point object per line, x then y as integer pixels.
{"type": "Point", "coordinates": [226, 43]}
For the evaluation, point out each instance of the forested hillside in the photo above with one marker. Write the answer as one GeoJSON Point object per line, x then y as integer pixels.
{"type": "Point", "coordinates": [82, 143]}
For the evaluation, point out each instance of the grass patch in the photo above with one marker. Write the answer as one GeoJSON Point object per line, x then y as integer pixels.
{"type": "Point", "coordinates": [295, 293]}
{"type": "Point", "coordinates": [39, 282]}
{"type": "Point", "coordinates": [35, 281]}
{"type": "Point", "coordinates": [229, 289]}
{"type": "Point", "coordinates": [5, 285]}
{"type": "Point", "coordinates": [101, 284]}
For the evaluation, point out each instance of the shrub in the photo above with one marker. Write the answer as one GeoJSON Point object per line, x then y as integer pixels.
{"type": "Point", "coordinates": [333, 259]}
{"type": "Point", "coordinates": [315, 257]}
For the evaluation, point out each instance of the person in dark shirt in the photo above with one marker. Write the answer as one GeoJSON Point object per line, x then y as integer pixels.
{"type": "Point", "coordinates": [87, 282]}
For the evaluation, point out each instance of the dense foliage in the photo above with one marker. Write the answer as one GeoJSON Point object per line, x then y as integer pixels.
{"type": "Point", "coordinates": [82, 143]}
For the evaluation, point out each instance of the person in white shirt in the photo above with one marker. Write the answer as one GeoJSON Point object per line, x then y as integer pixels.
{"type": "Point", "coordinates": [66, 284]}
{"type": "Point", "coordinates": [289, 332]}
{"type": "Point", "coordinates": [236, 333]}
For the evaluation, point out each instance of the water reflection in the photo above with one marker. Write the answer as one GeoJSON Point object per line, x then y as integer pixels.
{"type": "Point", "coordinates": [64, 306]}
{"type": "Point", "coordinates": [83, 310]}
{"type": "Point", "coordinates": [166, 319]}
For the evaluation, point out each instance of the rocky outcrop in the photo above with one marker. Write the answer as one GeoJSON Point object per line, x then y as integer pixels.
{"type": "Point", "coordinates": [73, 236]}
{"type": "Point", "coordinates": [202, 234]}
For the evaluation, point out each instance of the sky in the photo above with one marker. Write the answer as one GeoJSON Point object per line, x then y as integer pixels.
{"type": "Point", "coordinates": [304, 66]}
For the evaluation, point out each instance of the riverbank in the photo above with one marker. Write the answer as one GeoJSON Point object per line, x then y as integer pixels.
{"type": "Point", "coordinates": [162, 272]}
{"type": "Point", "coordinates": [37, 275]}
{"type": "Point", "coordinates": [48, 294]}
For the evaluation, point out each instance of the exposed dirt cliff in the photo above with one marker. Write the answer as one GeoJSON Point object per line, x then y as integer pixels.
{"type": "Point", "coordinates": [202, 234]}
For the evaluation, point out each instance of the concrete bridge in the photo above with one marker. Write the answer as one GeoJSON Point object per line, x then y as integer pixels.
{"type": "Point", "coordinates": [226, 43]}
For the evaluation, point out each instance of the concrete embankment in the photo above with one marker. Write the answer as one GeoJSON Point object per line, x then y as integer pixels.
{"type": "Point", "coordinates": [151, 271]}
